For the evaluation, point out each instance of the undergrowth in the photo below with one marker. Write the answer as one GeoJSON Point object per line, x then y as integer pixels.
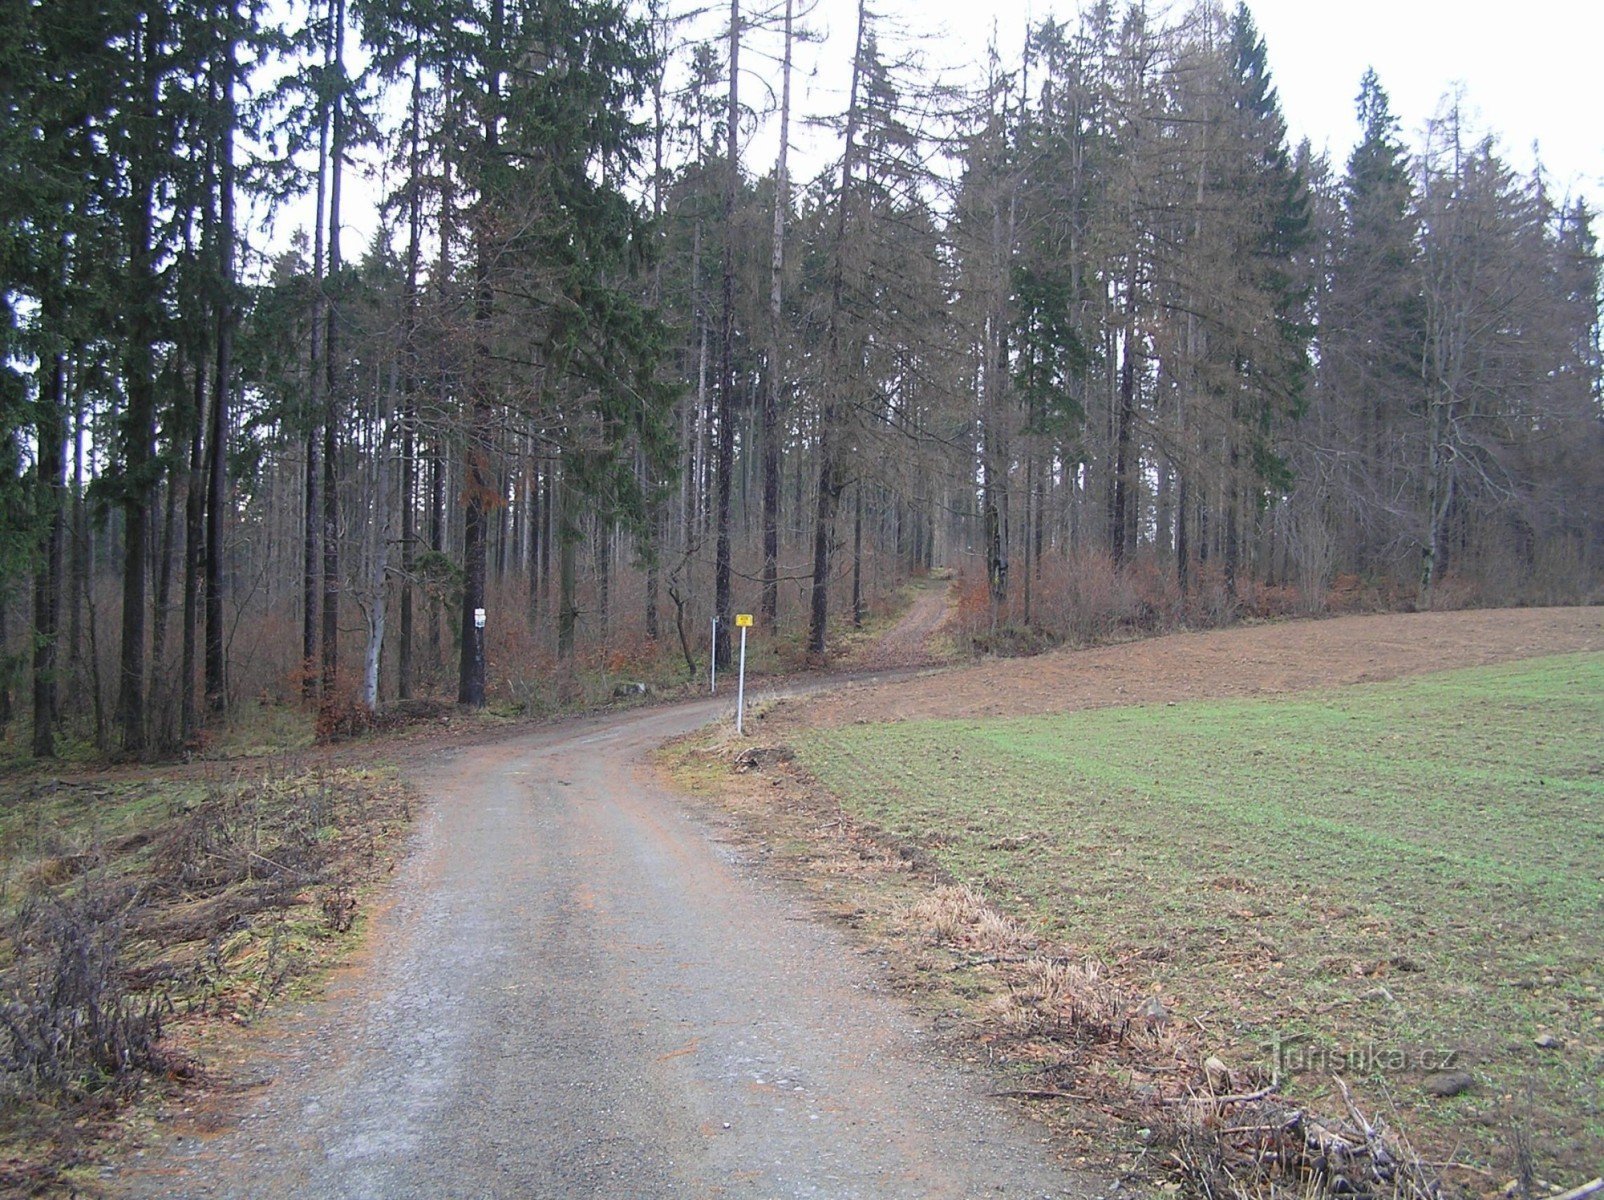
{"type": "Point", "coordinates": [133, 914]}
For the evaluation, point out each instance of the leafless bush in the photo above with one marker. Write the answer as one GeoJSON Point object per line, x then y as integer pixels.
{"type": "Point", "coordinates": [1314, 554]}
{"type": "Point", "coordinates": [69, 1023]}
{"type": "Point", "coordinates": [1096, 598]}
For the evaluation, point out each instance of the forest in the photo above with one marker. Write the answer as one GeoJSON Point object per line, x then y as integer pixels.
{"type": "Point", "coordinates": [1089, 332]}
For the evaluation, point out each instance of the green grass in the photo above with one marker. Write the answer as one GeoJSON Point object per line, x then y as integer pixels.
{"type": "Point", "coordinates": [1411, 868]}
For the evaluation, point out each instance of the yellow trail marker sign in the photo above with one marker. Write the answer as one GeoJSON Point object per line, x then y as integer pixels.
{"type": "Point", "coordinates": [743, 620]}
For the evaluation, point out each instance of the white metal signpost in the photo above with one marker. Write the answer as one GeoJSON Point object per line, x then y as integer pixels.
{"type": "Point", "coordinates": [743, 622]}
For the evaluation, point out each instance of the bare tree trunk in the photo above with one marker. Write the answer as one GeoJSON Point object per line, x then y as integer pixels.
{"type": "Point", "coordinates": [139, 417]}
{"type": "Point", "coordinates": [539, 519]}
{"type": "Point", "coordinates": [52, 489]}
{"type": "Point", "coordinates": [1030, 540]}
{"type": "Point", "coordinates": [194, 567]}
{"type": "Point", "coordinates": [604, 574]}
{"type": "Point", "coordinates": [6, 665]}
{"type": "Point", "coordinates": [1233, 502]}
{"type": "Point", "coordinates": [312, 550]}
{"type": "Point", "coordinates": [437, 461]}
{"type": "Point", "coordinates": [857, 555]}
{"type": "Point", "coordinates": [1439, 498]}
{"type": "Point", "coordinates": [80, 558]}
{"type": "Point", "coordinates": [726, 399]}
{"type": "Point", "coordinates": [1125, 413]}
{"type": "Point", "coordinates": [830, 471]}
{"type": "Point", "coordinates": [771, 393]}
{"type": "Point", "coordinates": [332, 374]}
{"type": "Point", "coordinates": [479, 485]}
{"type": "Point", "coordinates": [222, 382]}
{"type": "Point", "coordinates": [373, 659]}
{"type": "Point", "coordinates": [567, 533]}
{"type": "Point", "coordinates": [409, 414]}
{"type": "Point", "coordinates": [437, 545]}
{"type": "Point", "coordinates": [655, 525]}
{"type": "Point", "coordinates": [1183, 549]}
{"type": "Point", "coordinates": [161, 686]}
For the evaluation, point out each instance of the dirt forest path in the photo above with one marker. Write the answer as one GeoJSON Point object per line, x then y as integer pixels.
{"type": "Point", "coordinates": [582, 990]}
{"type": "Point", "coordinates": [909, 642]}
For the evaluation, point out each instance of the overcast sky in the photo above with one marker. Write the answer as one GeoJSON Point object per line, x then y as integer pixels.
{"type": "Point", "coordinates": [1530, 70]}
{"type": "Point", "coordinates": [1529, 74]}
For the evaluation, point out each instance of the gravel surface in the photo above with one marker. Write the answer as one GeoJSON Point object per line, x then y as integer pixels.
{"type": "Point", "coordinates": [579, 990]}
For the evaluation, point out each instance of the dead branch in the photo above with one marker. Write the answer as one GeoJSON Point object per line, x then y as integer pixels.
{"type": "Point", "coordinates": [1591, 1188]}
{"type": "Point", "coordinates": [1221, 1101]}
{"type": "Point", "coordinates": [1043, 1094]}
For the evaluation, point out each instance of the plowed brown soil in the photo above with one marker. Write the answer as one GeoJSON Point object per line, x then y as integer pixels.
{"type": "Point", "coordinates": [1248, 660]}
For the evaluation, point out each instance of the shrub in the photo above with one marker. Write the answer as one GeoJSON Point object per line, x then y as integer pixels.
{"type": "Point", "coordinates": [70, 1025]}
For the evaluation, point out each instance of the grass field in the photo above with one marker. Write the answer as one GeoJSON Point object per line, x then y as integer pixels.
{"type": "Point", "coordinates": [1376, 880]}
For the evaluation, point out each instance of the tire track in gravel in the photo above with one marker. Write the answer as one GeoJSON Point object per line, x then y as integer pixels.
{"type": "Point", "coordinates": [579, 991]}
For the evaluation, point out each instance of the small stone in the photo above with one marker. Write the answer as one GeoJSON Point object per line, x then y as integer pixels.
{"type": "Point", "coordinates": [1153, 1011]}
{"type": "Point", "coordinates": [1448, 1083]}
{"type": "Point", "coordinates": [1547, 1041]}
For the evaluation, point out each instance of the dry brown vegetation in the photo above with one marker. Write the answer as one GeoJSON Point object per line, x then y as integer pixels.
{"type": "Point", "coordinates": [139, 913]}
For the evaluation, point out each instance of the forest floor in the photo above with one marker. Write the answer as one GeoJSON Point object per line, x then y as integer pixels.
{"type": "Point", "coordinates": [1368, 848]}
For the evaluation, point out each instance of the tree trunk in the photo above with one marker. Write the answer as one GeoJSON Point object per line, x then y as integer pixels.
{"type": "Point", "coordinates": [857, 555]}
{"type": "Point", "coordinates": [1439, 499]}
{"type": "Point", "coordinates": [332, 372]}
{"type": "Point", "coordinates": [52, 489]}
{"type": "Point", "coordinates": [480, 482]}
{"type": "Point", "coordinates": [409, 414]}
{"type": "Point", "coordinates": [1183, 549]}
{"type": "Point", "coordinates": [139, 416]}
{"type": "Point", "coordinates": [830, 472]}
{"type": "Point", "coordinates": [475, 526]}
{"type": "Point", "coordinates": [1124, 416]}
{"type": "Point", "coordinates": [604, 575]}
{"type": "Point", "coordinates": [1233, 504]}
{"type": "Point", "coordinates": [222, 383]}
{"type": "Point", "coordinates": [194, 566]}
{"type": "Point", "coordinates": [6, 667]}
{"type": "Point", "coordinates": [373, 658]}
{"type": "Point", "coordinates": [161, 689]}
{"type": "Point", "coordinates": [771, 393]}
{"type": "Point", "coordinates": [726, 404]}
{"type": "Point", "coordinates": [79, 560]}
{"type": "Point", "coordinates": [567, 533]}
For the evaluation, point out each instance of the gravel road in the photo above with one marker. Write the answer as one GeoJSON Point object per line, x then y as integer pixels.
{"type": "Point", "coordinates": [579, 990]}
